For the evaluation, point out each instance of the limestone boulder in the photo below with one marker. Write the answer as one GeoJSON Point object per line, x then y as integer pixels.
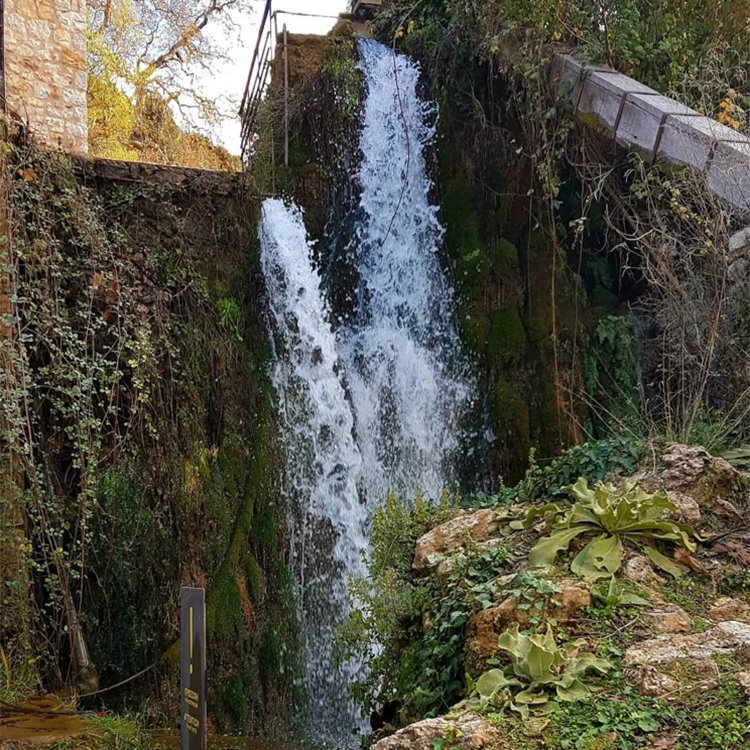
{"type": "Point", "coordinates": [730, 609]}
{"type": "Point", "coordinates": [744, 679]}
{"type": "Point", "coordinates": [574, 597]}
{"type": "Point", "coordinates": [449, 562]}
{"type": "Point", "coordinates": [668, 618]}
{"type": "Point", "coordinates": [485, 627]}
{"type": "Point", "coordinates": [467, 732]}
{"type": "Point", "coordinates": [687, 509]}
{"type": "Point", "coordinates": [725, 638]}
{"type": "Point", "coordinates": [450, 537]}
{"type": "Point", "coordinates": [649, 681]}
{"type": "Point", "coordinates": [695, 480]}
{"type": "Point", "coordinates": [638, 568]}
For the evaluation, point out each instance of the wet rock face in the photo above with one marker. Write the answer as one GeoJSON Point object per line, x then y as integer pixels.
{"type": "Point", "coordinates": [468, 732]}
{"type": "Point", "coordinates": [450, 537]}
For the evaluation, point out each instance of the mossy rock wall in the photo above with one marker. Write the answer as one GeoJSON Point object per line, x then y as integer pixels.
{"type": "Point", "coordinates": [516, 304]}
{"type": "Point", "coordinates": [225, 470]}
{"type": "Point", "coordinates": [185, 489]}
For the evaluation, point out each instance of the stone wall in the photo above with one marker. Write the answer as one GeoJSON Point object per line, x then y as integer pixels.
{"type": "Point", "coordinates": [641, 118]}
{"type": "Point", "coordinates": [46, 71]}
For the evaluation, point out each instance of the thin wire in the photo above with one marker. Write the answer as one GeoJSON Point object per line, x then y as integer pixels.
{"type": "Point", "coordinates": [405, 177]}
{"type": "Point", "coordinates": [118, 684]}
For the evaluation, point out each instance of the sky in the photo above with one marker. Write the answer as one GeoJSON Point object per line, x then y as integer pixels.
{"type": "Point", "coordinates": [227, 80]}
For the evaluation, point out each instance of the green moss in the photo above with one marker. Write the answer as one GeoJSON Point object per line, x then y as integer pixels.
{"type": "Point", "coordinates": [224, 609]}
{"type": "Point", "coordinates": [340, 63]}
{"type": "Point", "coordinates": [505, 257]}
{"type": "Point", "coordinates": [507, 337]}
{"type": "Point", "coordinates": [254, 577]}
{"type": "Point", "coordinates": [459, 217]}
{"type": "Point", "coordinates": [602, 297]}
{"type": "Point", "coordinates": [693, 593]}
{"type": "Point", "coordinates": [105, 733]}
{"type": "Point", "coordinates": [235, 700]}
{"type": "Point", "coordinates": [735, 583]}
{"type": "Point", "coordinates": [511, 425]}
{"type": "Point", "coordinates": [300, 165]}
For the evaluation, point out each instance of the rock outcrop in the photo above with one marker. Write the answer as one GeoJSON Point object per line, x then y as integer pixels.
{"type": "Point", "coordinates": [730, 609]}
{"type": "Point", "coordinates": [696, 481]}
{"type": "Point", "coordinates": [467, 732]}
{"type": "Point", "coordinates": [485, 627]}
{"type": "Point", "coordinates": [725, 638]}
{"type": "Point", "coordinates": [450, 537]}
{"type": "Point", "coordinates": [668, 618]}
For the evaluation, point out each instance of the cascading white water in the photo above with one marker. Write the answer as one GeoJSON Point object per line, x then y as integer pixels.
{"type": "Point", "coordinates": [327, 521]}
{"type": "Point", "coordinates": [380, 405]}
{"type": "Point", "coordinates": [405, 368]}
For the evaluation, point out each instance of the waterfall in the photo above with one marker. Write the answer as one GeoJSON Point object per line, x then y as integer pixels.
{"type": "Point", "coordinates": [380, 404]}
{"type": "Point", "coordinates": [327, 521]}
{"type": "Point", "coordinates": [406, 371]}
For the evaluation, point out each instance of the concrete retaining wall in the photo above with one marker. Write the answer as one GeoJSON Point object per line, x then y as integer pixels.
{"type": "Point", "coordinates": [660, 127]}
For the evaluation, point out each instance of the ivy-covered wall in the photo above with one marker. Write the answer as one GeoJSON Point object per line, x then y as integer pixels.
{"type": "Point", "coordinates": [142, 417]}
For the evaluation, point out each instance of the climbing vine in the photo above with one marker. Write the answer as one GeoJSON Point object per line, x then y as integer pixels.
{"type": "Point", "coordinates": [137, 406]}
{"type": "Point", "coordinates": [81, 376]}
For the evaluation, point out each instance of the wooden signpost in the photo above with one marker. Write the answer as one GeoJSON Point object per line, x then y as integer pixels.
{"type": "Point", "coordinates": [193, 668]}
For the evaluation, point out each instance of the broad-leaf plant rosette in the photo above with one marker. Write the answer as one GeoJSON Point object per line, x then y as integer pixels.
{"type": "Point", "coordinates": [615, 516]}
{"type": "Point", "coordinates": [541, 669]}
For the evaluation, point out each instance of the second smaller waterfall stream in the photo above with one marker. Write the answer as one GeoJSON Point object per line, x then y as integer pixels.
{"type": "Point", "coordinates": [328, 523]}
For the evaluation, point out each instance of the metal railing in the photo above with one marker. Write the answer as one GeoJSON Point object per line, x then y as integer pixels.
{"type": "Point", "coordinates": [257, 78]}
{"type": "Point", "coordinates": [261, 70]}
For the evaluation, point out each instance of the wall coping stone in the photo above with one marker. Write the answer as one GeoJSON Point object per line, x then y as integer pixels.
{"type": "Point", "coordinates": [179, 177]}
{"type": "Point", "coordinates": [659, 127]}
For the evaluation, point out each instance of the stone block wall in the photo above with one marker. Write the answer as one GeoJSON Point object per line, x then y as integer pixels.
{"type": "Point", "coordinates": [46, 70]}
{"type": "Point", "coordinates": [659, 127]}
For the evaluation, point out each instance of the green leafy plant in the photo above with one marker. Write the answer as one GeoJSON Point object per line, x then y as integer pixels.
{"type": "Point", "coordinates": [616, 594]}
{"type": "Point", "coordinates": [632, 719]}
{"type": "Point", "coordinates": [230, 317]}
{"type": "Point", "coordinates": [616, 515]}
{"type": "Point", "coordinates": [410, 628]}
{"type": "Point", "coordinates": [534, 595]}
{"type": "Point", "coordinates": [450, 741]}
{"type": "Point", "coordinates": [541, 669]}
{"type": "Point", "coordinates": [738, 457]}
{"type": "Point", "coordinates": [592, 460]}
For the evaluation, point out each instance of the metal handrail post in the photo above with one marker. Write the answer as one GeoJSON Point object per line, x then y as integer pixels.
{"type": "Point", "coordinates": [261, 71]}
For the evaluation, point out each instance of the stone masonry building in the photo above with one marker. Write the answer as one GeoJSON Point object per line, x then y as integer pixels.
{"type": "Point", "coordinates": [45, 69]}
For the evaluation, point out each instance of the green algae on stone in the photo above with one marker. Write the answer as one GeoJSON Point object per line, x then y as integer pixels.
{"type": "Point", "coordinates": [507, 337]}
